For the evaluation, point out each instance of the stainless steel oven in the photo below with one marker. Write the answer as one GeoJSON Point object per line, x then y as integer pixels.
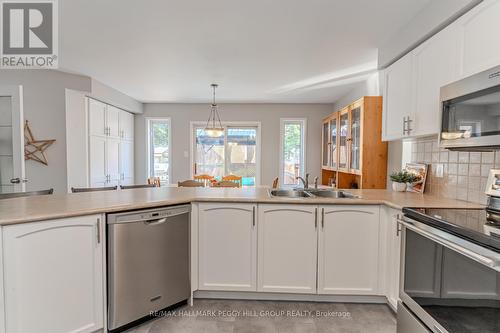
{"type": "Point", "coordinates": [450, 283]}
{"type": "Point", "coordinates": [470, 118]}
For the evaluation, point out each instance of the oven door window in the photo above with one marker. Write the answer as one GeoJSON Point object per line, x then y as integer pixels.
{"type": "Point", "coordinates": [473, 115]}
{"type": "Point", "coordinates": [459, 293]}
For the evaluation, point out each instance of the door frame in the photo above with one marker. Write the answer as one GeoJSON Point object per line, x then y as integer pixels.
{"type": "Point", "coordinates": [148, 121]}
{"type": "Point", "coordinates": [225, 124]}
{"type": "Point", "coordinates": [16, 93]}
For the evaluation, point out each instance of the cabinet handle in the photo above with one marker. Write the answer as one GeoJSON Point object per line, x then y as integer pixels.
{"type": "Point", "coordinates": [409, 129]}
{"type": "Point", "coordinates": [98, 230]}
{"type": "Point", "coordinates": [322, 218]}
{"type": "Point", "coordinates": [404, 126]}
{"type": "Point", "coordinates": [316, 218]}
{"type": "Point", "coordinates": [253, 216]}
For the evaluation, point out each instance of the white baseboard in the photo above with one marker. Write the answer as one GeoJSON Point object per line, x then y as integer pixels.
{"type": "Point", "coordinates": [264, 296]}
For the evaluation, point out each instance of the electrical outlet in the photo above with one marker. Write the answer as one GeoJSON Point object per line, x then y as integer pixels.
{"type": "Point", "coordinates": [440, 170]}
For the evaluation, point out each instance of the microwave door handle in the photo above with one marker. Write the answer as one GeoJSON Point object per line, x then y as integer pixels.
{"type": "Point", "coordinates": [457, 248]}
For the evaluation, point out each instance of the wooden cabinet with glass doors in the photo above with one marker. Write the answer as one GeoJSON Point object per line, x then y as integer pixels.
{"type": "Point", "coordinates": [353, 154]}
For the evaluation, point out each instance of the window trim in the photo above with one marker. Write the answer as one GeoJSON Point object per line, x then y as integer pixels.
{"type": "Point", "coordinates": [225, 124]}
{"type": "Point", "coordinates": [168, 120]}
{"type": "Point", "coordinates": [281, 169]}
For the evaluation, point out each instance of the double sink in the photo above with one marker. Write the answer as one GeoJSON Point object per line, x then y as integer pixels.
{"type": "Point", "coordinates": [311, 193]}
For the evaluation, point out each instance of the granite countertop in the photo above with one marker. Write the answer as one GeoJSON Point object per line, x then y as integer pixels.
{"type": "Point", "coordinates": [21, 210]}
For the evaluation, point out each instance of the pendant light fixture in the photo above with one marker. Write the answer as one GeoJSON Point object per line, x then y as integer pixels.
{"type": "Point", "coordinates": [214, 127]}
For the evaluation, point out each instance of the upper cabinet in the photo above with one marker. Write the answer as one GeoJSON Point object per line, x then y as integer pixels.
{"type": "Point", "coordinates": [398, 99]}
{"type": "Point", "coordinates": [412, 84]}
{"type": "Point", "coordinates": [354, 155]}
{"type": "Point", "coordinates": [126, 125]}
{"type": "Point", "coordinates": [479, 32]}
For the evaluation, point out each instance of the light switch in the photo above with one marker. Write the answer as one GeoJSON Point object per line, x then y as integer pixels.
{"type": "Point", "coordinates": [440, 170]}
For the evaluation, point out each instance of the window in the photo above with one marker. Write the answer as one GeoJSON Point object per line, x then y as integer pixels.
{"type": "Point", "coordinates": [159, 149]}
{"type": "Point", "coordinates": [236, 152]}
{"type": "Point", "coordinates": [292, 150]}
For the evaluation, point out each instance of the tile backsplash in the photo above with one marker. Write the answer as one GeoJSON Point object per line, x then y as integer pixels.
{"type": "Point", "coordinates": [464, 173]}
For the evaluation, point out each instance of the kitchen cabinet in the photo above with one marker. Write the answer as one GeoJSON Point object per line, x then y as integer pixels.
{"type": "Point", "coordinates": [358, 157]}
{"type": "Point", "coordinates": [392, 253]}
{"type": "Point", "coordinates": [436, 63]}
{"type": "Point", "coordinates": [52, 268]}
{"type": "Point", "coordinates": [478, 30]}
{"type": "Point", "coordinates": [227, 247]}
{"type": "Point", "coordinates": [287, 248]}
{"type": "Point", "coordinates": [398, 99]}
{"type": "Point", "coordinates": [111, 145]}
{"type": "Point", "coordinates": [348, 251]}
{"type": "Point", "coordinates": [126, 162]}
{"type": "Point", "coordinates": [330, 142]}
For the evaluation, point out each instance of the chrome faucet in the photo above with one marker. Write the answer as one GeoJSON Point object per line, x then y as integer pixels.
{"type": "Point", "coordinates": [316, 183]}
{"type": "Point", "coordinates": [305, 182]}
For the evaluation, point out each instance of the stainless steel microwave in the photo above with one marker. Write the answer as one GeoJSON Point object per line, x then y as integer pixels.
{"type": "Point", "coordinates": [470, 114]}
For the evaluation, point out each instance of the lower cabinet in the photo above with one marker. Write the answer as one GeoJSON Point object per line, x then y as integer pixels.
{"type": "Point", "coordinates": [53, 276]}
{"type": "Point", "coordinates": [393, 254]}
{"type": "Point", "coordinates": [287, 248]}
{"type": "Point", "coordinates": [227, 247]}
{"type": "Point", "coordinates": [349, 250]}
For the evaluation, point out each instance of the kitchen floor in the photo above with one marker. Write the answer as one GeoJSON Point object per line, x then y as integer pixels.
{"type": "Point", "coordinates": [220, 316]}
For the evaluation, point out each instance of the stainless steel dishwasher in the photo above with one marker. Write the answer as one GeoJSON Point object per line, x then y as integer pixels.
{"type": "Point", "coordinates": [148, 263]}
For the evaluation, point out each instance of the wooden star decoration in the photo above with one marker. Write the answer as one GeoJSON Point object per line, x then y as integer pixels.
{"type": "Point", "coordinates": [35, 149]}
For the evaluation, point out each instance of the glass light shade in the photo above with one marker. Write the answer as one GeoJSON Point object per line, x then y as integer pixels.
{"type": "Point", "coordinates": [214, 132]}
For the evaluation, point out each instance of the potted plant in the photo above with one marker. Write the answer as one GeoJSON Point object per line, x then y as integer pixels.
{"type": "Point", "coordinates": [400, 180]}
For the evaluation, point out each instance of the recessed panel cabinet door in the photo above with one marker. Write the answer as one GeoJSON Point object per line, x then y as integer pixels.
{"type": "Point", "coordinates": [97, 161]}
{"type": "Point", "coordinates": [227, 247]}
{"type": "Point", "coordinates": [126, 162]}
{"type": "Point", "coordinates": [113, 160]}
{"type": "Point", "coordinates": [112, 121]}
{"type": "Point", "coordinates": [126, 125]}
{"type": "Point", "coordinates": [53, 276]}
{"type": "Point", "coordinates": [97, 117]}
{"type": "Point", "coordinates": [348, 250]}
{"type": "Point", "coordinates": [287, 248]}
{"type": "Point", "coordinates": [479, 30]}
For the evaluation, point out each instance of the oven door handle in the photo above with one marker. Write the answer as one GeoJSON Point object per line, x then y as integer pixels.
{"type": "Point", "coordinates": [452, 246]}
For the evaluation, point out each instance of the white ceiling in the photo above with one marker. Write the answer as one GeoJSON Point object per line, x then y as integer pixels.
{"type": "Point", "coordinates": [294, 51]}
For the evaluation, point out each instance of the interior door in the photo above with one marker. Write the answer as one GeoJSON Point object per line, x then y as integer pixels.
{"type": "Point", "coordinates": [12, 172]}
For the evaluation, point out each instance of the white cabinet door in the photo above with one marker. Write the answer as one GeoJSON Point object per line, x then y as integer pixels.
{"type": "Point", "coordinates": [227, 247]}
{"type": "Point", "coordinates": [287, 248]}
{"type": "Point", "coordinates": [126, 162]}
{"type": "Point", "coordinates": [436, 64]}
{"type": "Point", "coordinates": [113, 121]}
{"type": "Point", "coordinates": [480, 33]}
{"type": "Point", "coordinates": [398, 98]}
{"type": "Point", "coordinates": [113, 161]}
{"type": "Point", "coordinates": [53, 276]}
{"type": "Point", "coordinates": [393, 254]}
{"type": "Point", "coordinates": [349, 250]}
{"type": "Point", "coordinates": [97, 161]}
{"type": "Point", "coordinates": [126, 125]}
{"type": "Point", "coordinates": [97, 117]}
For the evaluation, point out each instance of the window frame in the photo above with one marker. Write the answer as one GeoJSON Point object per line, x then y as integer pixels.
{"type": "Point", "coordinates": [225, 125]}
{"type": "Point", "coordinates": [150, 160]}
{"type": "Point", "coordinates": [281, 166]}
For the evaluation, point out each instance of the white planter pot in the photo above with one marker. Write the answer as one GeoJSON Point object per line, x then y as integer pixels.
{"type": "Point", "coordinates": [398, 187]}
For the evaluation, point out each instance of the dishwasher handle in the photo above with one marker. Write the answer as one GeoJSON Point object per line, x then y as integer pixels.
{"type": "Point", "coordinates": [155, 221]}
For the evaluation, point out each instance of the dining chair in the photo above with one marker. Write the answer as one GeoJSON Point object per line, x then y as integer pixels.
{"type": "Point", "coordinates": [190, 183]}
{"type": "Point", "coordinates": [130, 187]}
{"type": "Point", "coordinates": [92, 189]}
{"type": "Point", "coordinates": [233, 178]}
{"type": "Point", "coordinates": [154, 181]}
{"type": "Point", "coordinates": [276, 182]}
{"type": "Point", "coordinates": [25, 194]}
{"type": "Point", "coordinates": [226, 183]}
{"type": "Point", "coordinates": [204, 178]}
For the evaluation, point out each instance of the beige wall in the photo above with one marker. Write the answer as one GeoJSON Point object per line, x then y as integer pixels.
{"type": "Point", "coordinates": [267, 114]}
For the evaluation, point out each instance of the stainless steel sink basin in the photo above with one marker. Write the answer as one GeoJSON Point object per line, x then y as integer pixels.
{"type": "Point", "coordinates": [332, 194]}
{"type": "Point", "coordinates": [311, 193]}
{"type": "Point", "coordinates": [290, 193]}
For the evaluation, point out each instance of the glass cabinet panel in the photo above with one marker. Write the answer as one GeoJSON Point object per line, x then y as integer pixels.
{"type": "Point", "coordinates": [344, 129]}
{"type": "Point", "coordinates": [333, 142]}
{"type": "Point", "coordinates": [326, 145]}
{"type": "Point", "coordinates": [355, 138]}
